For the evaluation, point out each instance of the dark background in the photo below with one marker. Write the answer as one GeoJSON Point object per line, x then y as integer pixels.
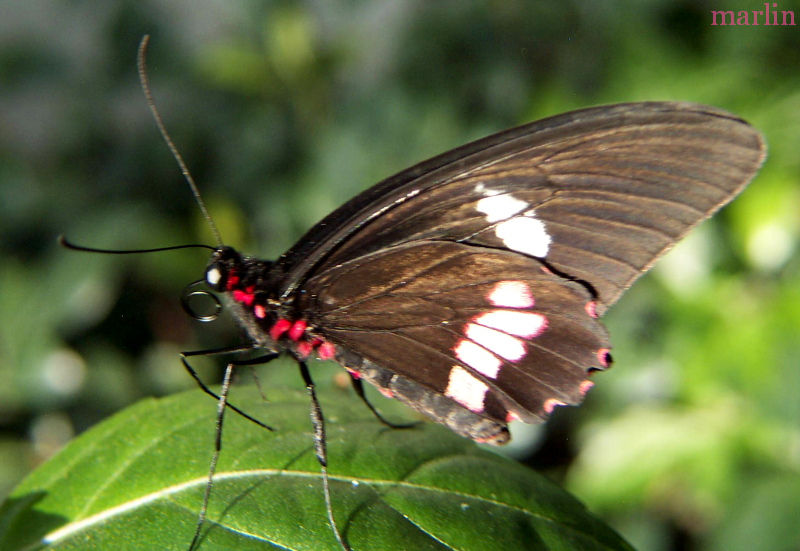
{"type": "Point", "coordinates": [285, 109]}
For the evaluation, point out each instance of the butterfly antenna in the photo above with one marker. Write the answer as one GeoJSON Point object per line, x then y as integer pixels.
{"type": "Point", "coordinates": [145, 82]}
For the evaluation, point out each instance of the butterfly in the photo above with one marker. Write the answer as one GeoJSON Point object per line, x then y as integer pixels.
{"type": "Point", "coordinates": [471, 286]}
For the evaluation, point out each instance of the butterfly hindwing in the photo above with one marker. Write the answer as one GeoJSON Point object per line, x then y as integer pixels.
{"type": "Point", "coordinates": [493, 330]}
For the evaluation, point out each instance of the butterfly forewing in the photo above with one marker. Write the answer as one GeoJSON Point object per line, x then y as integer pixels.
{"type": "Point", "coordinates": [598, 193]}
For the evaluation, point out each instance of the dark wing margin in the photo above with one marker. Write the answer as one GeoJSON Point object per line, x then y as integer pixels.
{"type": "Point", "coordinates": [615, 187]}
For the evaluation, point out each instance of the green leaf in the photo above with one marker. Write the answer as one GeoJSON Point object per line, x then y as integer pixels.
{"type": "Point", "coordinates": [136, 482]}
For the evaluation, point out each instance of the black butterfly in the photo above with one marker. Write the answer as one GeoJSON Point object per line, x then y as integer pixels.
{"type": "Point", "coordinates": [470, 286]}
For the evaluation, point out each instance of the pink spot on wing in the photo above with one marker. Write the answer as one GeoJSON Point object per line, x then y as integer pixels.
{"type": "Point", "coordinates": [233, 281]}
{"type": "Point", "coordinates": [551, 403]}
{"type": "Point", "coordinates": [604, 357]}
{"type": "Point", "coordinates": [260, 311]}
{"type": "Point", "coordinates": [512, 416]}
{"type": "Point", "coordinates": [386, 392]}
{"type": "Point", "coordinates": [521, 324]}
{"type": "Point", "coordinates": [512, 294]}
{"type": "Point", "coordinates": [591, 308]}
{"type": "Point", "coordinates": [297, 329]}
{"type": "Point", "coordinates": [498, 342]}
{"type": "Point", "coordinates": [478, 358]}
{"type": "Point", "coordinates": [466, 389]}
{"type": "Point", "coordinates": [326, 351]}
{"type": "Point", "coordinates": [585, 386]}
{"type": "Point", "coordinates": [280, 327]}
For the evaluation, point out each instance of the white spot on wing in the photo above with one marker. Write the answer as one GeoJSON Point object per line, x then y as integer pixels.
{"type": "Point", "coordinates": [482, 189]}
{"type": "Point", "coordinates": [466, 389]}
{"type": "Point", "coordinates": [525, 234]}
{"type": "Point", "coordinates": [478, 358]}
{"type": "Point", "coordinates": [500, 207]}
{"type": "Point", "coordinates": [498, 342]}
{"type": "Point", "coordinates": [512, 294]}
{"type": "Point", "coordinates": [522, 324]}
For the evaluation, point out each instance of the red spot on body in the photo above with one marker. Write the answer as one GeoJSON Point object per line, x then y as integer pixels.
{"type": "Point", "coordinates": [280, 327]}
{"type": "Point", "coordinates": [386, 392]}
{"type": "Point", "coordinates": [246, 296]}
{"type": "Point", "coordinates": [585, 386]}
{"type": "Point", "coordinates": [260, 311]}
{"type": "Point", "coordinates": [546, 270]}
{"type": "Point", "coordinates": [512, 416]}
{"type": "Point", "coordinates": [233, 281]}
{"type": "Point", "coordinates": [297, 329]}
{"type": "Point", "coordinates": [304, 349]}
{"type": "Point", "coordinates": [326, 351]}
{"type": "Point", "coordinates": [604, 357]}
{"type": "Point", "coordinates": [591, 308]}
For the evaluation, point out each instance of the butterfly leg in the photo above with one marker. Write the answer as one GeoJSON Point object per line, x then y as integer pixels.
{"type": "Point", "coordinates": [227, 350]}
{"type": "Point", "coordinates": [222, 405]}
{"type": "Point", "coordinates": [320, 449]}
{"type": "Point", "coordinates": [358, 386]}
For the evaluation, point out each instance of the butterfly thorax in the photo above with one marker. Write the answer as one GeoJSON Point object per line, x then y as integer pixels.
{"type": "Point", "coordinates": [249, 289]}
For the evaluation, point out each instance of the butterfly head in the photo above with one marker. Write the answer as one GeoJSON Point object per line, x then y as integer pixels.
{"type": "Point", "coordinates": [224, 263]}
{"type": "Point", "coordinates": [245, 279]}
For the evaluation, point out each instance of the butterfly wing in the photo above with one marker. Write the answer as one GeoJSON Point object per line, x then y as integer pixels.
{"type": "Point", "coordinates": [599, 193]}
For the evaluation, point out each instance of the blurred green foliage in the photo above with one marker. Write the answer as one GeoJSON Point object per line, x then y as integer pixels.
{"type": "Point", "coordinates": [285, 109]}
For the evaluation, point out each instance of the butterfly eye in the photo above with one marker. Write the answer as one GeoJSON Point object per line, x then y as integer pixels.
{"type": "Point", "coordinates": [216, 277]}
